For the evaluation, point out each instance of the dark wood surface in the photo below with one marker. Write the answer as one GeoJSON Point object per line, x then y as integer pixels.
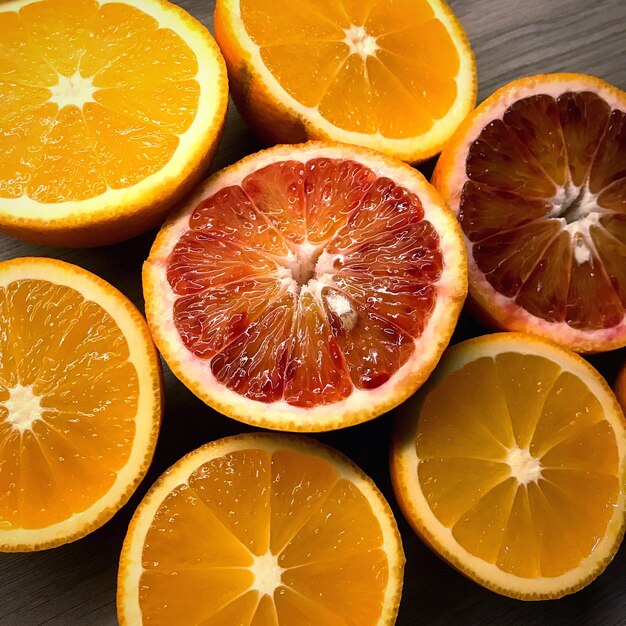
{"type": "Point", "coordinates": [75, 584]}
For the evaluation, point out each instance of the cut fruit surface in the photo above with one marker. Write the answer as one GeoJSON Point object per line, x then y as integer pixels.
{"type": "Point", "coordinates": [620, 387]}
{"type": "Point", "coordinates": [109, 112]}
{"type": "Point", "coordinates": [306, 287]}
{"type": "Point", "coordinates": [398, 76]}
{"type": "Point", "coordinates": [511, 464]}
{"type": "Point", "coordinates": [80, 402]}
{"type": "Point", "coordinates": [262, 529]}
{"type": "Point", "coordinates": [537, 178]}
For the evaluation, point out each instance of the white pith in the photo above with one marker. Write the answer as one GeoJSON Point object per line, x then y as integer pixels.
{"type": "Point", "coordinates": [72, 90]}
{"type": "Point", "coordinates": [580, 219]}
{"type": "Point", "coordinates": [415, 505]}
{"type": "Point", "coordinates": [131, 566]}
{"type": "Point", "coordinates": [360, 42]}
{"type": "Point", "coordinates": [143, 357]}
{"type": "Point", "coordinates": [267, 573]}
{"type": "Point", "coordinates": [191, 144]}
{"type": "Point", "coordinates": [507, 313]}
{"type": "Point", "coordinates": [23, 407]}
{"type": "Point", "coordinates": [361, 404]}
{"type": "Point", "coordinates": [525, 468]}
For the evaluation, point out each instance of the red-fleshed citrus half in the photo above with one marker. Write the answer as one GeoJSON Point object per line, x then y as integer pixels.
{"type": "Point", "coordinates": [537, 177]}
{"type": "Point", "coordinates": [307, 287]}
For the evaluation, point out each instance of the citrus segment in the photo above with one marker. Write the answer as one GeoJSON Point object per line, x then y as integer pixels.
{"type": "Point", "coordinates": [193, 269]}
{"type": "Point", "coordinates": [209, 321]}
{"type": "Point", "coordinates": [536, 176]}
{"type": "Point", "coordinates": [302, 282]}
{"type": "Point", "coordinates": [120, 139]}
{"type": "Point", "coordinates": [395, 76]}
{"type": "Point", "coordinates": [384, 207]}
{"type": "Point", "coordinates": [116, 28]}
{"type": "Point", "coordinates": [277, 191]}
{"type": "Point", "coordinates": [261, 529]}
{"type": "Point", "coordinates": [510, 463]}
{"type": "Point", "coordinates": [231, 213]}
{"type": "Point", "coordinates": [373, 348]}
{"type": "Point", "coordinates": [583, 117]}
{"type": "Point", "coordinates": [20, 61]}
{"type": "Point", "coordinates": [333, 189]}
{"type": "Point", "coordinates": [608, 166]}
{"type": "Point", "coordinates": [263, 348]}
{"type": "Point", "coordinates": [296, 496]}
{"type": "Point", "coordinates": [101, 97]}
{"type": "Point", "coordinates": [58, 30]}
{"type": "Point", "coordinates": [79, 402]}
{"type": "Point", "coordinates": [314, 344]}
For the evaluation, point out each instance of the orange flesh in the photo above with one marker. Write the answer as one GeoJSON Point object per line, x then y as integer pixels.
{"type": "Point", "coordinates": [308, 280]}
{"type": "Point", "coordinates": [550, 165]}
{"type": "Point", "coordinates": [319, 527]}
{"type": "Point", "coordinates": [144, 96]}
{"type": "Point", "coordinates": [467, 427]}
{"type": "Point", "coordinates": [366, 66]}
{"type": "Point", "coordinates": [77, 366]}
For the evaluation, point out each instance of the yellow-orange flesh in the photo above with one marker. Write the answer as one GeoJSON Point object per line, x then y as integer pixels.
{"type": "Point", "coordinates": [264, 538]}
{"type": "Point", "coordinates": [68, 401]}
{"type": "Point", "coordinates": [94, 97]}
{"type": "Point", "coordinates": [517, 459]}
{"type": "Point", "coordinates": [368, 66]}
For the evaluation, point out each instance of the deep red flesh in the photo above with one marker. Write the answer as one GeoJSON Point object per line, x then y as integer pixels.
{"type": "Point", "coordinates": [534, 178]}
{"type": "Point", "coordinates": [269, 338]}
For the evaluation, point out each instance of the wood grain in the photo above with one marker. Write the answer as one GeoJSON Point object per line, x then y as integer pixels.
{"type": "Point", "coordinates": [75, 584]}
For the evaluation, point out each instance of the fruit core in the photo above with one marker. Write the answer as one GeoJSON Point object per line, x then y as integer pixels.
{"type": "Point", "coordinates": [73, 90]}
{"type": "Point", "coordinates": [524, 467]}
{"type": "Point", "coordinates": [304, 264]}
{"type": "Point", "coordinates": [267, 573]}
{"type": "Point", "coordinates": [359, 42]}
{"type": "Point", "coordinates": [577, 203]}
{"type": "Point", "coordinates": [23, 407]}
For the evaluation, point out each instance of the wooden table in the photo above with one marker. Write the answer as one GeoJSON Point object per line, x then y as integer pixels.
{"type": "Point", "coordinates": [75, 584]}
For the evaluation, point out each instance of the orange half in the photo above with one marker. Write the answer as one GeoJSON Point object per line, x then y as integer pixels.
{"type": "Point", "coordinates": [109, 112]}
{"type": "Point", "coordinates": [398, 77]}
{"type": "Point", "coordinates": [306, 287]}
{"type": "Point", "coordinates": [80, 402]}
{"type": "Point", "coordinates": [262, 530]}
{"type": "Point", "coordinates": [511, 464]}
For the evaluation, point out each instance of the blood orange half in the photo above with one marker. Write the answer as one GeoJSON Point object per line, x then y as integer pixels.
{"type": "Point", "coordinates": [307, 287]}
{"type": "Point", "coordinates": [537, 178]}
